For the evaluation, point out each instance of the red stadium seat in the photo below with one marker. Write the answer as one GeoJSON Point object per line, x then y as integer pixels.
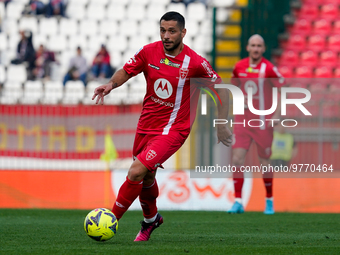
{"type": "Point", "coordinates": [328, 58]}
{"type": "Point", "coordinates": [304, 72]}
{"type": "Point", "coordinates": [336, 27]}
{"type": "Point", "coordinates": [316, 42]}
{"type": "Point", "coordinates": [289, 58]}
{"type": "Point", "coordinates": [322, 27]}
{"type": "Point", "coordinates": [336, 73]}
{"type": "Point", "coordinates": [334, 42]}
{"type": "Point", "coordinates": [286, 71]}
{"type": "Point", "coordinates": [302, 27]}
{"type": "Point", "coordinates": [322, 77]}
{"type": "Point", "coordinates": [296, 42]}
{"type": "Point", "coordinates": [309, 58]}
{"type": "Point", "coordinates": [308, 11]}
{"type": "Point", "coordinates": [329, 11]}
{"type": "Point", "coordinates": [323, 72]}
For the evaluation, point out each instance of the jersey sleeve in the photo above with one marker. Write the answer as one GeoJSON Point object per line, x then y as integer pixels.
{"type": "Point", "coordinates": [136, 64]}
{"type": "Point", "coordinates": [208, 74]}
{"type": "Point", "coordinates": [277, 79]}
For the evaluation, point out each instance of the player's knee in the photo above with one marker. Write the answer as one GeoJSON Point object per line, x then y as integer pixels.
{"type": "Point", "coordinates": [137, 172]}
{"type": "Point", "coordinates": [237, 160]}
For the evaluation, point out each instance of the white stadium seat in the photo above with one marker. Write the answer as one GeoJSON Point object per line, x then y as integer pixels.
{"type": "Point", "coordinates": [99, 2]}
{"type": "Point", "coordinates": [135, 11]}
{"type": "Point", "coordinates": [136, 42]}
{"type": "Point", "coordinates": [154, 11]}
{"type": "Point", "coordinates": [117, 43]}
{"type": "Point", "coordinates": [116, 11]}
{"type": "Point", "coordinates": [39, 39]}
{"type": "Point", "coordinates": [7, 56]}
{"type": "Point", "coordinates": [29, 23]}
{"type": "Point", "coordinates": [117, 96]}
{"type": "Point", "coordinates": [192, 28]}
{"type": "Point", "coordinates": [14, 10]}
{"type": "Point", "coordinates": [10, 26]}
{"type": "Point", "coordinates": [144, 2]}
{"type": "Point", "coordinates": [95, 42]}
{"type": "Point", "coordinates": [48, 26]}
{"type": "Point", "coordinates": [2, 74]}
{"type": "Point", "coordinates": [77, 40]}
{"type": "Point", "coordinates": [76, 10]}
{"type": "Point", "coordinates": [3, 41]}
{"type": "Point", "coordinates": [53, 92]}
{"type": "Point", "coordinates": [33, 92]}
{"type": "Point", "coordinates": [224, 3]}
{"type": "Point", "coordinates": [95, 11]}
{"type": "Point", "coordinates": [196, 12]}
{"type": "Point", "coordinates": [178, 7]}
{"type": "Point", "coordinates": [68, 27]}
{"type": "Point", "coordinates": [88, 27]}
{"type": "Point", "coordinates": [11, 93]}
{"type": "Point", "coordinates": [129, 27]}
{"type": "Point", "coordinates": [149, 27]}
{"type": "Point", "coordinates": [16, 73]}
{"type": "Point", "coordinates": [108, 27]}
{"type": "Point", "coordinates": [116, 59]}
{"type": "Point", "coordinates": [57, 43]}
{"type": "Point", "coordinates": [2, 9]}
{"type": "Point", "coordinates": [74, 92]}
{"type": "Point", "coordinates": [13, 41]}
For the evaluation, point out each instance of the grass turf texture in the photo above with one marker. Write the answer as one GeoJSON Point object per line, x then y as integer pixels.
{"type": "Point", "coordinates": [61, 232]}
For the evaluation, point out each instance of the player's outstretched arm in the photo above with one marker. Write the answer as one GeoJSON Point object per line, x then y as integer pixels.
{"type": "Point", "coordinates": [119, 78]}
{"type": "Point", "coordinates": [224, 135]}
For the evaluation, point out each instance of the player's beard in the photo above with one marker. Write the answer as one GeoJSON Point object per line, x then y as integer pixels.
{"type": "Point", "coordinates": [176, 45]}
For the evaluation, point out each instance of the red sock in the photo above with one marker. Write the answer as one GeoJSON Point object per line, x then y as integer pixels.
{"type": "Point", "coordinates": [147, 200]}
{"type": "Point", "coordinates": [268, 183]}
{"type": "Point", "coordinates": [128, 192]}
{"type": "Point", "coordinates": [238, 182]}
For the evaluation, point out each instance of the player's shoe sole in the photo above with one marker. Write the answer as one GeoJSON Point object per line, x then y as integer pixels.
{"type": "Point", "coordinates": [236, 208]}
{"type": "Point", "coordinates": [147, 228]}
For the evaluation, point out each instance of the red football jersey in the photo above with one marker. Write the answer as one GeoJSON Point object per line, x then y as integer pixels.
{"type": "Point", "coordinates": [246, 75]}
{"type": "Point", "coordinates": [166, 105]}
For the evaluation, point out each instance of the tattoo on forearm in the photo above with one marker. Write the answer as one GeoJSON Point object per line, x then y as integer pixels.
{"type": "Point", "coordinates": [114, 85]}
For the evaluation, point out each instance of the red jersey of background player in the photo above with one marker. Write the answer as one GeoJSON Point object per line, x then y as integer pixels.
{"type": "Point", "coordinates": [245, 75]}
{"type": "Point", "coordinates": [166, 105]}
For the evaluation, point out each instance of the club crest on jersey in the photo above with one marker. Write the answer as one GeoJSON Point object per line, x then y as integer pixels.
{"type": "Point", "coordinates": [151, 154]}
{"type": "Point", "coordinates": [163, 88]}
{"type": "Point", "coordinates": [167, 62]}
{"type": "Point", "coordinates": [183, 72]}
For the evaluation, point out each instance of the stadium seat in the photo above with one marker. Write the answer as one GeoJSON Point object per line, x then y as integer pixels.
{"type": "Point", "coordinates": [192, 28]}
{"type": "Point", "coordinates": [202, 44]}
{"type": "Point", "coordinates": [53, 92]}
{"type": "Point", "coordinates": [316, 42]}
{"type": "Point", "coordinates": [76, 10]}
{"type": "Point", "coordinates": [108, 27]}
{"type": "Point", "coordinates": [309, 58]}
{"type": "Point", "coordinates": [117, 43]}
{"type": "Point", "coordinates": [118, 96]}
{"type": "Point", "coordinates": [2, 74]}
{"type": "Point", "coordinates": [33, 92]}
{"type": "Point", "coordinates": [90, 87]}
{"type": "Point", "coordinates": [149, 27]}
{"type": "Point", "coordinates": [116, 11]}
{"type": "Point", "coordinates": [74, 92]}
{"type": "Point", "coordinates": [10, 26]}
{"type": "Point", "coordinates": [153, 11]}
{"type": "Point", "coordinates": [7, 56]}
{"type": "Point", "coordinates": [302, 27]}
{"type": "Point", "coordinates": [289, 58]}
{"type": "Point", "coordinates": [303, 75]}
{"type": "Point", "coordinates": [328, 58]}
{"type": "Point", "coordinates": [57, 43]}
{"type": "Point", "coordinates": [286, 71]}
{"type": "Point", "coordinates": [14, 10]}
{"type": "Point", "coordinates": [322, 27]}
{"type": "Point", "coordinates": [296, 42]}
{"type": "Point", "coordinates": [196, 12]}
{"type": "Point", "coordinates": [95, 42]}
{"type": "Point", "coordinates": [135, 12]}
{"type": "Point", "coordinates": [89, 54]}
{"type": "Point", "coordinates": [322, 77]}
{"type": "Point", "coordinates": [39, 39]}
{"type": "Point", "coordinates": [29, 23]}
{"type": "Point", "coordinates": [178, 7]}
{"type": "Point", "coordinates": [129, 27]}
{"type": "Point", "coordinates": [88, 27]}
{"type": "Point", "coordinates": [11, 93]}
{"type": "Point", "coordinates": [95, 11]}
{"type": "Point", "coordinates": [329, 11]}
{"type": "Point", "coordinates": [334, 42]}
{"type": "Point", "coordinates": [77, 40]}
{"type": "Point", "coordinates": [68, 27]}
{"type": "Point", "coordinates": [48, 26]}
{"type": "Point", "coordinates": [116, 59]}
{"type": "Point", "coordinates": [3, 42]}
{"type": "Point", "coordinates": [308, 11]}
{"type": "Point", "coordinates": [136, 42]}
{"type": "Point", "coordinates": [99, 2]}
{"type": "Point", "coordinates": [2, 9]}
{"type": "Point", "coordinates": [336, 27]}
{"type": "Point", "coordinates": [16, 73]}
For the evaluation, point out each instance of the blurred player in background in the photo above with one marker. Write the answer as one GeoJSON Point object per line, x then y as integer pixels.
{"type": "Point", "coordinates": [249, 72]}
{"type": "Point", "coordinates": [284, 147]}
{"type": "Point", "coordinates": [165, 120]}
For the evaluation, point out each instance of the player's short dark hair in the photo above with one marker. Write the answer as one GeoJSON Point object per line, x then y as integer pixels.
{"type": "Point", "coordinates": [174, 16]}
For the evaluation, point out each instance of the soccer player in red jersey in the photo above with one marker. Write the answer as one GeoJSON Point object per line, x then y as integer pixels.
{"type": "Point", "coordinates": [249, 72]}
{"type": "Point", "coordinates": [165, 120]}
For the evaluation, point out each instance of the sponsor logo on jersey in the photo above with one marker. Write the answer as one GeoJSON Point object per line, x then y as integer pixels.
{"type": "Point", "coordinates": [154, 67]}
{"type": "Point", "coordinates": [183, 72]}
{"type": "Point", "coordinates": [167, 62]}
{"type": "Point", "coordinates": [252, 70]}
{"type": "Point", "coordinates": [243, 74]}
{"type": "Point", "coordinates": [151, 154]}
{"type": "Point", "coordinates": [163, 88]}
{"type": "Point", "coordinates": [209, 71]}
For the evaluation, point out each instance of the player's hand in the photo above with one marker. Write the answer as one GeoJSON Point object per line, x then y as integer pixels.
{"type": "Point", "coordinates": [102, 91]}
{"type": "Point", "coordinates": [224, 135]}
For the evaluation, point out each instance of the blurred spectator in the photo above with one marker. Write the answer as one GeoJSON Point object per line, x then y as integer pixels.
{"type": "Point", "coordinates": [101, 67]}
{"type": "Point", "coordinates": [35, 7]}
{"type": "Point", "coordinates": [5, 2]}
{"type": "Point", "coordinates": [26, 53]}
{"type": "Point", "coordinates": [77, 68]}
{"type": "Point", "coordinates": [43, 61]}
{"type": "Point", "coordinates": [56, 7]}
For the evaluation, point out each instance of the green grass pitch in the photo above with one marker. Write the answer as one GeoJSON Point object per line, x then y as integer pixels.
{"type": "Point", "coordinates": [61, 232]}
